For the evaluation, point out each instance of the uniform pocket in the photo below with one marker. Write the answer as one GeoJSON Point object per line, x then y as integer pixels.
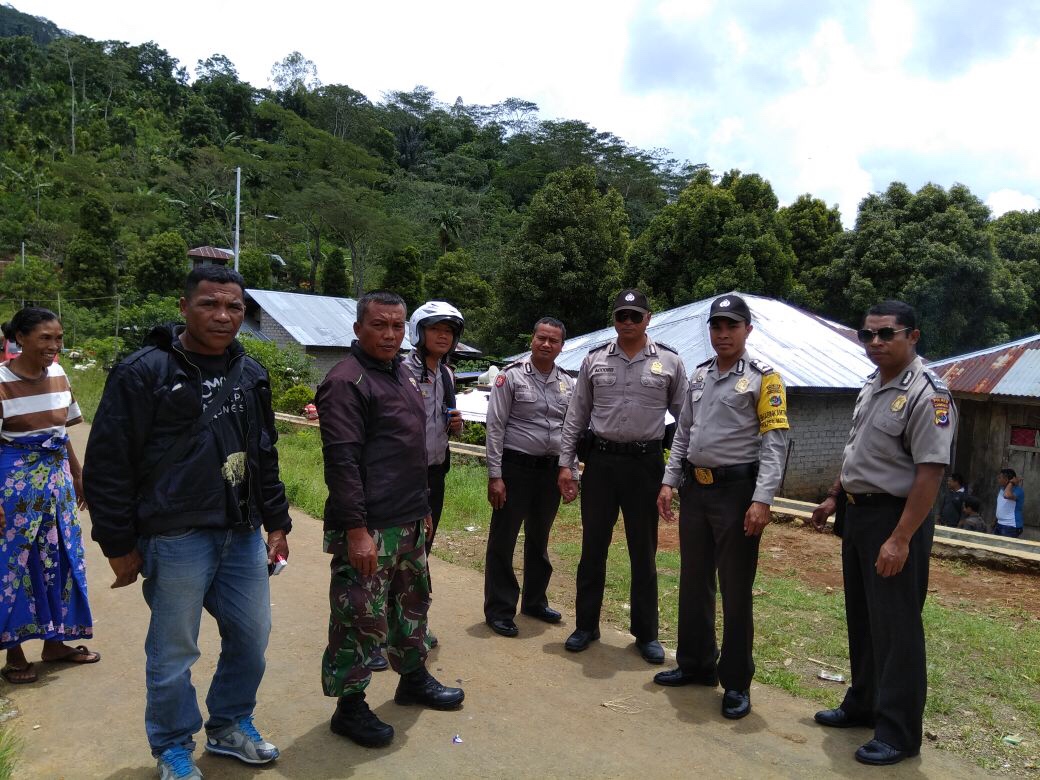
{"type": "Point", "coordinates": [652, 380]}
{"type": "Point", "coordinates": [603, 380]}
{"type": "Point", "coordinates": [737, 400]}
{"type": "Point", "coordinates": [524, 395]}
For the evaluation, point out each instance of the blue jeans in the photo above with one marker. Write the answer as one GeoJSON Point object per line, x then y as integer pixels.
{"type": "Point", "coordinates": [225, 572]}
{"type": "Point", "coordinates": [1007, 530]}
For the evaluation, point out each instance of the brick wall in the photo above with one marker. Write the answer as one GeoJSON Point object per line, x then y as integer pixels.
{"type": "Point", "coordinates": [820, 424]}
{"type": "Point", "coordinates": [324, 358]}
{"type": "Point", "coordinates": [270, 327]}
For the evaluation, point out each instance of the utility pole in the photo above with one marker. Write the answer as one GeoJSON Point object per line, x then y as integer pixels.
{"type": "Point", "coordinates": [238, 209]}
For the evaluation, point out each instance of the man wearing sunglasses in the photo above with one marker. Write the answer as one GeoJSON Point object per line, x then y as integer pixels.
{"type": "Point", "coordinates": [727, 460]}
{"type": "Point", "coordinates": [620, 397]}
{"type": "Point", "coordinates": [902, 433]}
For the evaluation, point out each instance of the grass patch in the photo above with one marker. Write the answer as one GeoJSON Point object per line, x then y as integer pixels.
{"type": "Point", "coordinates": [9, 749]}
{"type": "Point", "coordinates": [87, 387]}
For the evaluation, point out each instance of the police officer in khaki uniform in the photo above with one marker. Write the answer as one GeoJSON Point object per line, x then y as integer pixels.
{"type": "Point", "coordinates": [727, 460]}
{"type": "Point", "coordinates": [902, 434]}
{"type": "Point", "coordinates": [524, 428]}
{"type": "Point", "coordinates": [620, 398]}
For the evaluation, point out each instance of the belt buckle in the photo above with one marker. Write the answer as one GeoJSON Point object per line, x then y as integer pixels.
{"type": "Point", "coordinates": [703, 476]}
{"type": "Point", "coordinates": [850, 498]}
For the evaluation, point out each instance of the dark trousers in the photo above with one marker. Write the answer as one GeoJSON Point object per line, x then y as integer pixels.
{"type": "Point", "coordinates": [711, 539]}
{"type": "Point", "coordinates": [629, 483]}
{"type": "Point", "coordinates": [435, 482]}
{"type": "Point", "coordinates": [886, 635]}
{"type": "Point", "coordinates": [532, 499]}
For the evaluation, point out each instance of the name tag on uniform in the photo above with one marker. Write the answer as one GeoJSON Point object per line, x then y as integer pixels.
{"type": "Point", "coordinates": [703, 476]}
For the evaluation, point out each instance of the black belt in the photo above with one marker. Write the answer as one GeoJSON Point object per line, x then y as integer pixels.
{"type": "Point", "coordinates": [531, 461]}
{"type": "Point", "coordinates": [874, 499]}
{"type": "Point", "coordinates": [704, 475]}
{"type": "Point", "coordinates": [627, 447]}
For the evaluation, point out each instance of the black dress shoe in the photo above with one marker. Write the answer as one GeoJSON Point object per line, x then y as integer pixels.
{"type": "Point", "coordinates": [651, 651]}
{"type": "Point", "coordinates": [878, 753]}
{"type": "Point", "coordinates": [504, 627]}
{"type": "Point", "coordinates": [354, 720]}
{"type": "Point", "coordinates": [377, 661]}
{"type": "Point", "coordinates": [839, 719]}
{"type": "Point", "coordinates": [420, 687]}
{"type": "Point", "coordinates": [548, 614]}
{"type": "Point", "coordinates": [736, 704]}
{"type": "Point", "coordinates": [677, 677]}
{"type": "Point", "coordinates": [580, 640]}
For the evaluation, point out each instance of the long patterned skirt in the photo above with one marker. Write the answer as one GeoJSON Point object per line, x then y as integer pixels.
{"type": "Point", "coordinates": [43, 581]}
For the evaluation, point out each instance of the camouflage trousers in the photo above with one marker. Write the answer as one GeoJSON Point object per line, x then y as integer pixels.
{"type": "Point", "coordinates": [388, 607]}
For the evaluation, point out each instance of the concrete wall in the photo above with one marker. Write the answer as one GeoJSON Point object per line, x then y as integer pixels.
{"type": "Point", "coordinates": [324, 359]}
{"type": "Point", "coordinates": [820, 424]}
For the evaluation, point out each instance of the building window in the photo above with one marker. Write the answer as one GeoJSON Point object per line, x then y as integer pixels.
{"type": "Point", "coordinates": [1025, 437]}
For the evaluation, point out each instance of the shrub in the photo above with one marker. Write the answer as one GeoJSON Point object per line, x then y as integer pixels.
{"type": "Point", "coordinates": [294, 399]}
{"type": "Point", "coordinates": [473, 433]}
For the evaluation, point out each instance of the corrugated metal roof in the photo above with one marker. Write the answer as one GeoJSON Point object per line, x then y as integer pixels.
{"type": "Point", "coordinates": [807, 350]}
{"type": "Point", "coordinates": [320, 320]}
{"type": "Point", "coordinates": [312, 320]}
{"type": "Point", "coordinates": [212, 253]}
{"type": "Point", "coordinates": [1011, 369]}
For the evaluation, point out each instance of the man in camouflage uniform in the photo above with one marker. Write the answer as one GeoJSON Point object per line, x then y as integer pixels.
{"type": "Point", "coordinates": [376, 520]}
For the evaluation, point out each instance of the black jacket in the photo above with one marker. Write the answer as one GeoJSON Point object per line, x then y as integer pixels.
{"type": "Point", "coordinates": [150, 399]}
{"type": "Point", "coordinates": [373, 428]}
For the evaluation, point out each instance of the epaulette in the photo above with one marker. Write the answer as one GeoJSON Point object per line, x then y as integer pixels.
{"type": "Point", "coordinates": [515, 364]}
{"type": "Point", "coordinates": [760, 367]}
{"type": "Point", "coordinates": [707, 362]}
{"type": "Point", "coordinates": [936, 381]}
{"type": "Point", "coordinates": [667, 347]}
{"type": "Point", "coordinates": [601, 346]}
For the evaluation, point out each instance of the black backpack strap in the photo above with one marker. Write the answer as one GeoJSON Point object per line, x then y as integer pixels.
{"type": "Point", "coordinates": [180, 447]}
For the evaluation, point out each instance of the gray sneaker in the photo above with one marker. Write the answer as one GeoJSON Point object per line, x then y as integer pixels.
{"type": "Point", "coordinates": [176, 763]}
{"type": "Point", "coordinates": [243, 742]}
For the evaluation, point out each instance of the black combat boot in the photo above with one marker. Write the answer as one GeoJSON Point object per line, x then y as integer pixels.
{"type": "Point", "coordinates": [420, 687]}
{"type": "Point", "coordinates": [354, 720]}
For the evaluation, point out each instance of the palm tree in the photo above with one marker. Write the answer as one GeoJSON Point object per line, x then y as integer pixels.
{"type": "Point", "coordinates": [449, 229]}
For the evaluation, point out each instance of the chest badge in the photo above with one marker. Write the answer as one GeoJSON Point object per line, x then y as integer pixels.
{"type": "Point", "coordinates": [563, 387]}
{"type": "Point", "coordinates": [414, 383]}
{"type": "Point", "coordinates": [656, 367]}
{"type": "Point", "coordinates": [898, 404]}
{"type": "Point", "coordinates": [742, 384]}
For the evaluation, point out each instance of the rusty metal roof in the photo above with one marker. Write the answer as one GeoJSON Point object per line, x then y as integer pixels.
{"type": "Point", "coordinates": [1011, 369]}
{"type": "Point", "coordinates": [807, 350]}
{"type": "Point", "coordinates": [212, 253]}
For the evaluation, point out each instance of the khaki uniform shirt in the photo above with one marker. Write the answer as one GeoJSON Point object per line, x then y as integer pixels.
{"type": "Point", "coordinates": [733, 417]}
{"type": "Point", "coordinates": [624, 400]}
{"type": "Point", "coordinates": [433, 399]}
{"type": "Point", "coordinates": [910, 420]}
{"type": "Point", "coordinates": [526, 412]}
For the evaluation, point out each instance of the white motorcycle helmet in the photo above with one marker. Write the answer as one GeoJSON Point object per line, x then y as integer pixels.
{"type": "Point", "coordinates": [430, 313]}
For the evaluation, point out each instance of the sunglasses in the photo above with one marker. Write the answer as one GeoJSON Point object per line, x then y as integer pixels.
{"type": "Point", "coordinates": [626, 315]}
{"type": "Point", "coordinates": [866, 335]}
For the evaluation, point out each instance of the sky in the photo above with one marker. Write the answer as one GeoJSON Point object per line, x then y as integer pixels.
{"type": "Point", "coordinates": [832, 98]}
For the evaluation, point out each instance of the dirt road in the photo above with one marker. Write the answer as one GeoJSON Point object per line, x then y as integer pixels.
{"type": "Point", "coordinates": [532, 709]}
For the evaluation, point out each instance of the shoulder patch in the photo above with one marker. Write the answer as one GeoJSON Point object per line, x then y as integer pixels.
{"type": "Point", "coordinates": [936, 381]}
{"type": "Point", "coordinates": [760, 367]}
{"type": "Point", "coordinates": [666, 347]}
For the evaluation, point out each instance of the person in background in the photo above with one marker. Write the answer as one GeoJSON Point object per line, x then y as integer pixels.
{"type": "Point", "coordinates": [524, 427]}
{"type": "Point", "coordinates": [1010, 498]}
{"type": "Point", "coordinates": [377, 515]}
{"type": "Point", "coordinates": [972, 520]}
{"type": "Point", "coordinates": [952, 501]}
{"type": "Point", "coordinates": [44, 593]}
{"type": "Point", "coordinates": [181, 474]}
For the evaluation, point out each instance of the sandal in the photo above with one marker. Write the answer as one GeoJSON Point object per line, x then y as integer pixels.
{"type": "Point", "coordinates": [19, 675]}
{"type": "Point", "coordinates": [70, 656]}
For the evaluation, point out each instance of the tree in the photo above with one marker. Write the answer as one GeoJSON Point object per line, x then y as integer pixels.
{"type": "Point", "coordinates": [566, 260]}
{"type": "Point", "coordinates": [161, 264]}
{"type": "Point", "coordinates": [90, 268]}
{"type": "Point", "coordinates": [255, 267]}
{"type": "Point", "coordinates": [454, 278]}
{"type": "Point", "coordinates": [715, 238]}
{"type": "Point", "coordinates": [35, 282]}
{"type": "Point", "coordinates": [404, 276]}
{"type": "Point", "coordinates": [449, 228]}
{"type": "Point", "coordinates": [334, 280]}
{"type": "Point", "coordinates": [814, 230]}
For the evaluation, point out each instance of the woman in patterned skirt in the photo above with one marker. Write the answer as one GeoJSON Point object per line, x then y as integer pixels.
{"type": "Point", "coordinates": [43, 583]}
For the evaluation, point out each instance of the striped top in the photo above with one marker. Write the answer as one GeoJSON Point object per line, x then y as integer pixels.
{"type": "Point", "coordinates": [34, 406]}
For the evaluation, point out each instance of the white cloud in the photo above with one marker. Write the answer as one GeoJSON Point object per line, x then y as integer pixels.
{"type": "Point", "coordinates": [1003, 201]}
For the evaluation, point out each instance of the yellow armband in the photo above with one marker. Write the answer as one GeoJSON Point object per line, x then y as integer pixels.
{"type": "Point", "coordinates": [772, 405]}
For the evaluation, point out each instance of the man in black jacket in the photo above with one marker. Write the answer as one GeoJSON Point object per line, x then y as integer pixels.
{"type": "Point", "coordinates": [377, 517]}
{"type": "Point", "coordinates": [180, 473]}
